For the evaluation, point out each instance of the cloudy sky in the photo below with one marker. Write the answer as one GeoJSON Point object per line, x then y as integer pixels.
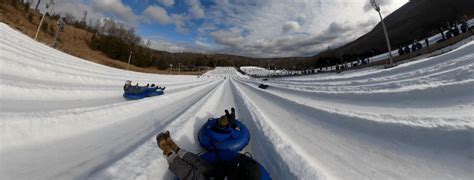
{"type": "Point", "coordinates": [255, 28]}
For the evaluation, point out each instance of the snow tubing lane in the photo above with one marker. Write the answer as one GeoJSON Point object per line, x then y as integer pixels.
{"type": "Point", "coordinates": [232, 141]}
{"type": "Point", "coordinates": [145, 92]}
{"type": "Point", "coordinates": [234, 163]}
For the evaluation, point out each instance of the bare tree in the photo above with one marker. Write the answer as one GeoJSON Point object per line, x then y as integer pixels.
{"type": "Point", "coordinates": [69, 18]}
{"type": "Point", "coordinates": [84, 18]}
{"type": "Point", "coordinates": [147, 43]}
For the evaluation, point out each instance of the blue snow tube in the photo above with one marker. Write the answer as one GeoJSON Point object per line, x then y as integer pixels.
{"type": "Point", "coordinates": [135, 92]}
{"type": "Point", "coordinates": [240, 165]}
{"type": "Point", "coordinates": [227, 139]}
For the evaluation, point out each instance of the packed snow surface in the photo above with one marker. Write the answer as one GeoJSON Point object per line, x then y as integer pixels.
{"type": "Point", "coordinates": [62, 117]}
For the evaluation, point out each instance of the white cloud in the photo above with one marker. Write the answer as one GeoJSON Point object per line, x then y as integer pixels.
{"type": "Point", "coordinates": [167, 3]}
{"type": "Point", "coordinates": [273, 28]}
{"type": "Point", "coordinates": [263, 28]}
{"type": "Point", "coordinates": [160, 43]}
{"type": "Point", "coordinates": [157, 13]}
{"type": "Point", "coordinates": [180, 23]}
{"type": "Point", "coordinates": [166, 46]}
{"type": "Point", "coordinates": [195, 8]}
{"type": "Point", "coordinates": [115, 8]}
{"type": "Point", "coordinates": [232, 37]}
{"type": "Point", "coordinates": [75, 8]}
{"type": "Point", "coordinates": [290, 26]}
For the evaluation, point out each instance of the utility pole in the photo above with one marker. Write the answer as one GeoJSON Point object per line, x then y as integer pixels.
{"type": "Point", "coordinates": [179, 68]}
{"type": "Point", "coordinates": [51, 2]}
{"type": "Point", "coordinates": [129, 58]}
{"type": "Point", "coordinates": [377, 8]}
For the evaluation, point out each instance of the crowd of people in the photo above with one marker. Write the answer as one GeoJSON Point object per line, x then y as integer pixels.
{"type": "Point", "coordinates": [453, 29]}
{"type": "Point", "coordinates": [414, 47]}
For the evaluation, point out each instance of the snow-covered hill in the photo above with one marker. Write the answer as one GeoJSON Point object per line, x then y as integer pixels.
{"type": "Point", "coordinates": [65, 118]}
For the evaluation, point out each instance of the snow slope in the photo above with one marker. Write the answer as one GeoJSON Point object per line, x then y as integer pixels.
{"type": "Point", "coordinates": [64, 118]}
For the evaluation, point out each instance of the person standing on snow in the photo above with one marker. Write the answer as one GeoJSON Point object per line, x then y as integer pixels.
{"type": "Point", "coordinates": [413, 46]}
{"type": "Point", "coordinates": [400, 51]}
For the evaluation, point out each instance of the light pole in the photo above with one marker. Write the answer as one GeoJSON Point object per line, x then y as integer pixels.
{"type": "Point", "coordinates": [42, 18]}
{"type": "Point", "coordinates": [377, 8]}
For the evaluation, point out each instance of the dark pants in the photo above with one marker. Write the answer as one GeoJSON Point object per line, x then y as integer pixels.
{"type": "Point", "coordinates": [187, 165]}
